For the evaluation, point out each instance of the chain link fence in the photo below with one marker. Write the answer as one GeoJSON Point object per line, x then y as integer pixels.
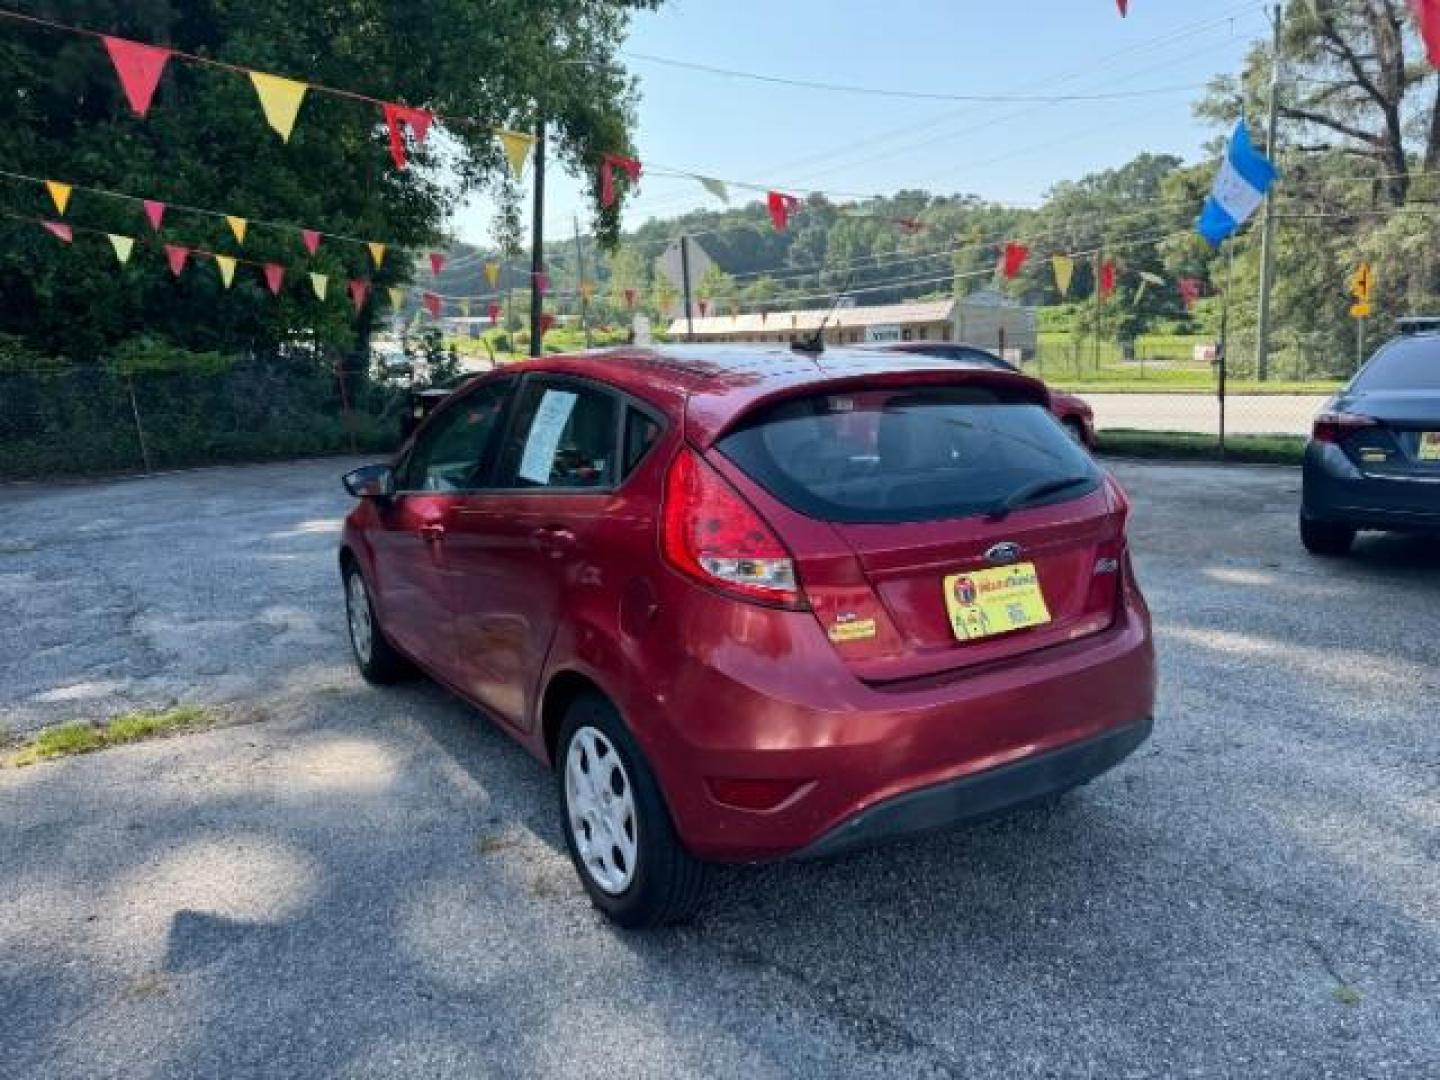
{"type": "Point", "coordinates": [1157, 385]}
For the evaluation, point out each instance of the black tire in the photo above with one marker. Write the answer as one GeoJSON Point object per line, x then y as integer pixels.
{"type": "Point", "coordinates": [379, 663]}
{"type": "Point", "coordinates": [1324, 538]}
{"type": "Point", "coordinates": [665, 882]}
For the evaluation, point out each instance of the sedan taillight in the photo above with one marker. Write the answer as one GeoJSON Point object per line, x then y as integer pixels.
{"type": "Point", "coordinates": [1334, 427]}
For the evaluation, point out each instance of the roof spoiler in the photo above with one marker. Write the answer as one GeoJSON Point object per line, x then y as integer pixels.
{"type": "Point", "coordinates": [1418, 324]}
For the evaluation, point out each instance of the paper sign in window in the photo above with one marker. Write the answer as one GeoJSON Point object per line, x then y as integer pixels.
{"type": "Point", "coordinates": [549, 424]}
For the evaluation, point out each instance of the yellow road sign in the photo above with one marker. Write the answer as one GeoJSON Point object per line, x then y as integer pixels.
{"type": "Point", "coordinates": [1361, 310]}
{"type": "Point", "coordinates": [1362, 283]}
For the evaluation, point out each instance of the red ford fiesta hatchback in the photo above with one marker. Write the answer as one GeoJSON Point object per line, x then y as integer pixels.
{"type": "Point", "coordinates": [754, 604]}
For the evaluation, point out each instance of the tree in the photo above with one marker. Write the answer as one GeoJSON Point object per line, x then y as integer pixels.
{"type": "Point", "coordinates": [205, 143]}
{"type": "Point", "coordinates": [1355, 81]}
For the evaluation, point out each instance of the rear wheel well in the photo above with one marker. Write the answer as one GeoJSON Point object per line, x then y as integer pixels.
{"type": "Point", "coordinates": [564, 688]}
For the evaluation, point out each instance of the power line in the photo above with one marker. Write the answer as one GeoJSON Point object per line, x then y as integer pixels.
{"type": "Point", "coordinates": [917, 95]}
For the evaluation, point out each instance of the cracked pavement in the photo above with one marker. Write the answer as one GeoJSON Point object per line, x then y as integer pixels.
{"type": "Point", "coordinates": [372, 883]}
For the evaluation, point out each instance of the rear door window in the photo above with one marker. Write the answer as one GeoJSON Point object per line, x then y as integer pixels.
{"type": "Point", "coordinates": [565, 436]}
{"type": "Point", "coordinates": [913, 454]}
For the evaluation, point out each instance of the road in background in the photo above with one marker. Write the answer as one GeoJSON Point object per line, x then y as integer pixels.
{"type": "Point", "coordinates": [372, 883]}
{"type": "Point", "coordinates": [1246, 414]}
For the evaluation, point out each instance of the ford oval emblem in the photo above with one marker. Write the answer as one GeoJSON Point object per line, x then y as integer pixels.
{"type": "Point", "coordinates": [1003, 554]}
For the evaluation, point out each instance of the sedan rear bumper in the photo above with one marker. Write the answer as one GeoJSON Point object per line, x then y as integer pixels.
{"type": "Point", "coordinates": [973, 798]}
{"type": "Point", "coordinates": [1337, 492]}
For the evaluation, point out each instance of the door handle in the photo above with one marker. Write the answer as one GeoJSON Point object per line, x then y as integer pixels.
{"type": "Point", "coordinates": [554, 540]}
{"type": "Point", "coordinates": [432, 532]}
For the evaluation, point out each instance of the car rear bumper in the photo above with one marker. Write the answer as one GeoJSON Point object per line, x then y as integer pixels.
{"type": "Point", "coordinates": [851, 748]}
{"type": "Point", "coordinates": [1337, 492]}
{"type": "Point", "coordinates": [974, 798]}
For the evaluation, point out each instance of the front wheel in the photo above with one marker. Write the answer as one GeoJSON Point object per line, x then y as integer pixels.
{"type": "Point", "coordinates": [1323, 538]}
{"type": "Point", "coordinates": [617, 828]}
{"type": "Point", "coordinates": [374, 656]}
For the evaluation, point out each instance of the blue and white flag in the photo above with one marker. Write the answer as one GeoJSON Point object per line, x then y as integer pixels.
{"type": "Point", "coordinates": [1244, 178]}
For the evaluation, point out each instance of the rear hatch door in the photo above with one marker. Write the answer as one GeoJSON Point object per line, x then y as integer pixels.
{"type": "Point", "coordinates": [964, 526]}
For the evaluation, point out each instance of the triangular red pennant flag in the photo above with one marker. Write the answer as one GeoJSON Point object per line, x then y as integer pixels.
{"type": "Point", "coordinates": [494, 312]}
{"type": "Point", "coordinates": [1107, 279]}
{"type": "Point", "coordinates": [910, 226]}
{"type": "Point", "coordinates": [155, 212]}
{"type": "Point", "coordinates": [432, 304]}
{"type": "Point", "coordinates": [60, 230]}
{"type": "Point", "coordinates": [1124, 6]}
{"type": "Point", "coordinates": [629, 297]}
{"type": "Point", "coordinates": [311, 239]}
{"type": "Point", "coordinates": [437, 262]}
{"type": "Point", "coordinates": [274, 277]}
{"type": "Point", "coordinates": [542, 281]}
{"type": "Point", "coordinates": [176, 255]}
{"type": "Point", "coordinates": [417, 120]}
{"type": "Point", "coordinates": [1427, 16]}
{"type": "Point", "coordinates": [139, 68]}
{"type": "Point", "coordinates": [704, 307]}
{"type": "Point", "coordinates": [781, 206]}
{"type": "Point", "coordinates": [546, 322]}
{"type": "Point", "coordinates": [1015, 256]}
{"type": "Point", "coordinates": [608, 164]}
{"type": "Point", "coordinates": [359, 290]}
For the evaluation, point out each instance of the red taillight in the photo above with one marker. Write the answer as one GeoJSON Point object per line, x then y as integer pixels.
{"type": "Point", "coordinates": [710, 533]}
{"type": "Point", "coordinates": [1332, 427]}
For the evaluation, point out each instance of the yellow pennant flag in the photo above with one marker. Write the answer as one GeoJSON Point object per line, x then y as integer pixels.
{"type": "Point", "coordinates": [238, 225]}
{"type": "Point", "coordinates": [60, 193]}
{"type": "Point", "coordinates": [1064, 267]}
{"type": "Point", "coordinates": [226, 263]}
{"type": "Point", "coordinates": [517, 148]}
{"type": "Point", "coordinates": [123, 246]}
{"type": "Point", "coordinates": [377, 252]}
{"type": "Point", "coordinates": [319, 282]}
{"type": "Point", "coordinates": [280, 98]}
{"type": "Point", "coordinates": [465, 306]}
{"type": "Point", "coordinates": [397, 298]}
{"type": "Point", "coordinates": [492, 273]}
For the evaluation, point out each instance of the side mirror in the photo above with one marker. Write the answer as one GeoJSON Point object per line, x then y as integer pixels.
{"type": "Point", "coordinates": [370, 482]}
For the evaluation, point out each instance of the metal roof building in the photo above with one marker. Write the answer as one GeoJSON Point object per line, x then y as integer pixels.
{"type": "Point", "coordinates": [986, 319]}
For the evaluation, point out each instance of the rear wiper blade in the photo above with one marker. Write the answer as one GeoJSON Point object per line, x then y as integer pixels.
{"type": "Point", "coordinates": [1034, 491]}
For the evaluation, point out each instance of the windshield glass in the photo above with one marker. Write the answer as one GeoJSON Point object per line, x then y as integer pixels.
{"type": "Point", "coordinates": [914, 454]}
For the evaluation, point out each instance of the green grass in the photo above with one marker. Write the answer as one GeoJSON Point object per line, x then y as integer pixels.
{"type": "Point", "coordinates": [83, 737]}
{"type": "Point", "coordinates": [1187, 446]}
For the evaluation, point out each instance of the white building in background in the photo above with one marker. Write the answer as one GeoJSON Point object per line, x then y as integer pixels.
{"type": "Point", "coordinates": [987, 319]}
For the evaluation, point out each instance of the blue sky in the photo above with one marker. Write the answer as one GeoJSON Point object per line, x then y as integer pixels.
{"type": "Point", "coordinates": [803, 139]}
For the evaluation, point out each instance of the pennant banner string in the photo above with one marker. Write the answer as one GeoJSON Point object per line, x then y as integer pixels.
{"type": "Point", "coordinates": [238, 225]}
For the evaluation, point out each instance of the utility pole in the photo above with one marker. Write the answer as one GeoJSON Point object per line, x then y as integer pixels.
{"type": "Point", "coordinates": [685, 285]}
{"type": "Point", "coordinates": [1267, 231]}
{"type": "Point", "coordinates": [580, 284]}
{"type": "Point", "coordinates": [537, 243]}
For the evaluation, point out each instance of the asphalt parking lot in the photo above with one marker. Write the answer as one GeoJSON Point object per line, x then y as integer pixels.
{"type": "Point", "coordinates": [346, 881]}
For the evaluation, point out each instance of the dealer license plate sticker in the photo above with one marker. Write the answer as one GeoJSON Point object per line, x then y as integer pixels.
{"type": "Point", "coordinates": [1429, 446]}
{"type": "Point", "coordinates": [983, 603]}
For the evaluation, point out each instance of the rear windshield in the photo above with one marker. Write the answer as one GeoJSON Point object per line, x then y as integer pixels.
{"type": "Point", "coordinates": [917, 454]}
{"type": "Point", "coordinates": [1406, 364]}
